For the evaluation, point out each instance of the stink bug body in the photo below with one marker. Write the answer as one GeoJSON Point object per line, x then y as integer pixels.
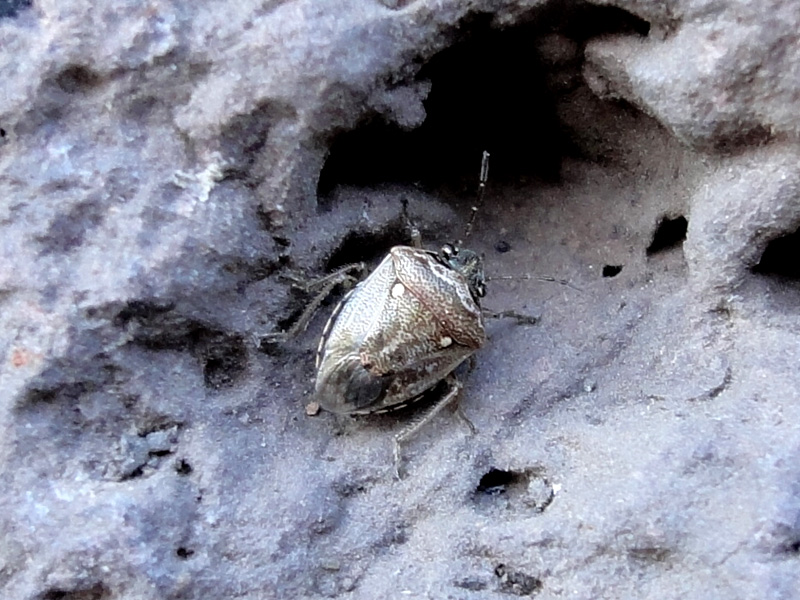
{"type": "Point", "coordinates": [401, 331]}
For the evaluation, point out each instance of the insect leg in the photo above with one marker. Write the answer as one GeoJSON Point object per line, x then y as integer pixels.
{"type": "Point", "coordinates": [418, 423]}
{"type": "Point", "coordinates": [520, 318]}
{"type": "Point", "coordinates": [413, 230]}
{"type": "Point", "coordinates": [462, 416]}
{"type": "Point", "coordinates": [328, 282]}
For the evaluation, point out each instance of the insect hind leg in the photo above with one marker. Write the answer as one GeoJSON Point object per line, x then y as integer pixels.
{"type": "Point", "coordinates": [418, 423]}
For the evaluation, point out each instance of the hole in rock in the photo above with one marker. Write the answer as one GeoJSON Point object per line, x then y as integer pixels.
{"type": "Point", "coordinates": [669, 234]}
{"type": "Point", "coordinates": [184, 553]}
{"type": "Point", "coordinates": [527, 490]}
{"type": "Point", "coordinates": [492, 89]}
{"type": "Point", "coordinates": [781, 257]}
{"type": "Point", "coordinates": [517, 582]}
{"type": "Point", "coordinates": [142, 310]}
{"type": "Point", "coordinates": [77, 78]}
{"type": "Point", "coordinates": [791, 548]}
{"type": "Point", "coordinates": [497, 481]}
{"type": "Point", "coordinates": [96, 592]}
{"type": "Point", "coordinates": [502, 246]}
{"type": "Point", "coordinates": [182, 467]}
{"type": "Point", "coordinates": [611, 270]}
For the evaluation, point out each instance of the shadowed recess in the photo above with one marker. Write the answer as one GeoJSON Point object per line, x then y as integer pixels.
{"type": "Point", "coordinates": [77, 78]}
{"type": "Point", "coordinates": [11, 8]}
{"type": "Point", "coordinates": [95, 592]}
{"type": "Point", "coordinates": [497, 481]}
{"type": "Point", "coordinates": [369, 247]}
{"type": "Point", "coordinates": [669, 234]}
{"type": "Point", "coordinates": [182, 467]}
{"type": "Point", "coordinates": [781, 257]}
{"type": "Point", "coordinates": [489, 91]}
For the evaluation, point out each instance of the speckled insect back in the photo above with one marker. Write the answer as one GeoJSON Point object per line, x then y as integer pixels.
{"type": "Point", "coordinates": [401, 331]}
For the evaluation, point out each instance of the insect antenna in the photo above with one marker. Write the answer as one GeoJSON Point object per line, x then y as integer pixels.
{"type": "Point", "coordinates": [483, 178]}
{"type": "Point", "coordinates": [546, 278]}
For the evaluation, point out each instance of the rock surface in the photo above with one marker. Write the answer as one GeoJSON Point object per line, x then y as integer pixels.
{"type": "Point", "coordinates": [168, 169]}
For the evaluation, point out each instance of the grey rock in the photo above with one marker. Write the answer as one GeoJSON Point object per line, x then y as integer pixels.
{"type": "Point", "coordinates": [172, 175]}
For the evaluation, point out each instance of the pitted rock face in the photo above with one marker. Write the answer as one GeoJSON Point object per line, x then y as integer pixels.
{"type": "Point", "coordinates": [164, 165]}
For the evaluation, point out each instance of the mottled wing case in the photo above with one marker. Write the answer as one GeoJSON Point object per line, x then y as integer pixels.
{"type": "Point", "coordinates": [443, 292]}
{"type": "Point", "coordinates": [428, 309]}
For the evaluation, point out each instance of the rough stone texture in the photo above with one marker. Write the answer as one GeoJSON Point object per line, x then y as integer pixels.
{"type": "Point", "coordinates": [167, 169]}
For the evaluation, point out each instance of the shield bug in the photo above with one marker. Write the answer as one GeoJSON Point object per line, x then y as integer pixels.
{"type": "Point", "coordinates": [400, 332]}
{"type": "Point", "coordinates": [403, 330]}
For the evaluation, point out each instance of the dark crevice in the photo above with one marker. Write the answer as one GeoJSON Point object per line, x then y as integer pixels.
{"type": "Point", "coordinates": [611, 270]}
{"type": "Point", "coordinates": [95, 592]}
{"type": "Point", "coordinates": [502, 246]}
{"type": "Point", "coordinates": [368, 247]}
{"type": "Point", "coordinates": [527, 490]}
{"type": "Point", "coordinates": [156, 325]}
{"type": "Point", "coordinates": [791, 548]}
{"type": "Point", "coordinates": [76, 79]}
{"type": "Point", "coordinates": [225, 359]}
{"type": "Point", "coordinates": [155, 423]}
{"type": "Point", "coordinates": [497, 481]}
{"type": "Point", "coordinates": [182, 467]}
{"type": "Point", "coordinates": [244, 138]}
{"type": "Point", "coordinates": [11, 8]}
{"type": "Point", "coordinates": [650, 554]}
{"type": "Point", "coordinates": [490, 90]}
{"type": "Point", "coordinates": [67, 393]}
{"type": "Point", "coordinates": [746, 136]}
{"type": "Point", "coordinates": [781, 257]}
{"type": "Point", "coordinates": [142, 310]}
{"type": "Point", "coordinates": [478, 101]}
{"type": "Point", "coordinates": [134, 473]}
{"type": "Point", "coordinates": [516, 582]}
{"type": "Point", "coordinates": [669, 234]}
{"type": "Point", "coordinates": [250, 271]}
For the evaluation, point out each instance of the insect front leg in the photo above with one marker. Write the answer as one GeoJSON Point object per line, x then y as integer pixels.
{"type": "Point", "coordinates": [413, 230]}
{"type": "Point", "coordinates": [326, 283]}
